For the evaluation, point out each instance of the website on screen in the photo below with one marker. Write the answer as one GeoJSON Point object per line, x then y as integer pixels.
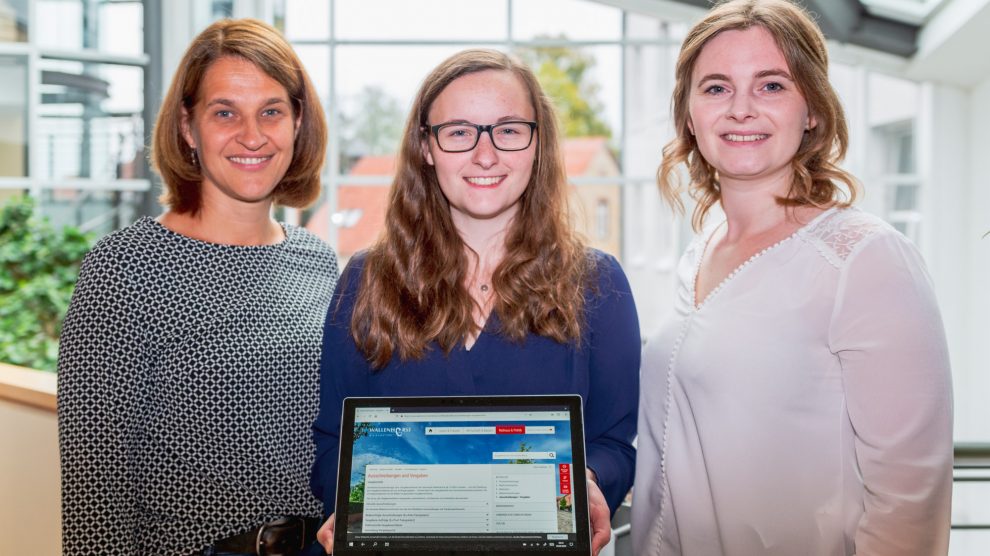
{"type": "Point", "coordinates": [503, 475]}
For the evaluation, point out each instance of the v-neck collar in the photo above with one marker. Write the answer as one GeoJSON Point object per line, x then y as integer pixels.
{"type": "Point", "coordinates": [695, 304]}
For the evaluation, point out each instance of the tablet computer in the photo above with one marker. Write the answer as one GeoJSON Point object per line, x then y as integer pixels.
{"type": "Point", "coordinates": [492, 475]}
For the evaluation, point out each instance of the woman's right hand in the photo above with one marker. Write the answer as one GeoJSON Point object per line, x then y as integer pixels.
{"type": "Point", "coordinates": [325, 535]}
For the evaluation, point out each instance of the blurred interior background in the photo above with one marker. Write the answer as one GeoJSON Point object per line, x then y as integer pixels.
{"type": "Point", "coordinates": [81, 80]}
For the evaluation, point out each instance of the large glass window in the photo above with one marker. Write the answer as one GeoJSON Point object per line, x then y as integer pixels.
{"type": "Point", "coordinates": [13, 116]}
{"type": "Point", "coordinates": [423, 20]}
{"type": "Point", "coordinates": [900, 181]}
{"type": "Point", "coordinates": [91, 136]}
{"type": "Point", "coordinates": [374, 89]}
{"type": "Point", "coordinates": [75, 94]}
{"type": "Point", "coordinates": [99, 211]}
{"type": "Point", "coordinates": [108, 27]}
{"type": "Point", "coordinates": [572, 19]}
{"type": "Point", "coordinates": [892, 181]}
{"type": "Point", "coordinates": [90, 122]}
{"type": "Point", "coordinates": [367, 69]}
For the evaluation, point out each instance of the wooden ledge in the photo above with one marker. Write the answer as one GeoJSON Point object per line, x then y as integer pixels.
{"type": "Point", "coordinates": [28, 386]}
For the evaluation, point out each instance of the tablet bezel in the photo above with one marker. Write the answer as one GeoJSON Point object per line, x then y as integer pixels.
{"type": "Point", "coordinates": [582, 545]}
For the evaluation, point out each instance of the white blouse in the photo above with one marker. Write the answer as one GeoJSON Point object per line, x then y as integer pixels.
{"type": "Point", "coordinates": [803, 408]}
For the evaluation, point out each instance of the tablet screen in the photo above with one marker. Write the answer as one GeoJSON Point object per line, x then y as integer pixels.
{"type": "Point", "coordinates": [462, 475]}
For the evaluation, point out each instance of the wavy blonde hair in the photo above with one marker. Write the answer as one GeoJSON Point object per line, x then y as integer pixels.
{"type": "Point", "coordinates": [412, 289]}
{"type": "Point", "coordinates": [815, 165]}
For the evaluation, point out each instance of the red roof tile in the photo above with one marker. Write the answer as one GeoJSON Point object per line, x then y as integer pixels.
{"type": "Point", "coordinates": [580, 151]}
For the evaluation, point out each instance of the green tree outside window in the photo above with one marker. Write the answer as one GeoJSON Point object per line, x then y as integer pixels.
{"type": "Point", "coordinates": [38, 269]}
{"type": "Point", "coordinates": [563, 73]}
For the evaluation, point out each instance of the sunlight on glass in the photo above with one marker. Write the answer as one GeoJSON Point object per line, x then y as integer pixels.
{"type": "Point", "coordinates": [307, 19]}
{"type": "Point", "coordinates": [464, 20]}
{"type": "Point", "coordinates": [316, 60]}
{"type": "Point", "coordinates": [126, 88]}
{"type": "Point", "coordinates": [573, 19]}
{"type": "Point", "coordinates": [121, 28]}
{"type": "Point", "coordinates": [59, 24]}
{"type": "Point", "coordinates": [116, 29]}
{"type": "Point", "coordinates": [395, 69]}
{"type": "Point", "coordinates": [642, 27]}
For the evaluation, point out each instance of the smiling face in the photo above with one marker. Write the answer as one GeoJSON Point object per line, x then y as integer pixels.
{"type": "Point", "coordinates": [243, 129]}
{"type": "Point", "coordinates": [483, 184]}
{"type": "Point", "coordinates": [745, 110]}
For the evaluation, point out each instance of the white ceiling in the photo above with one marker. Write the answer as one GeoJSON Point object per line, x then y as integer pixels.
{"type": "Point", "coordinates": [914, 12]}
{"type": "Point", "coordinates": [953, 45]}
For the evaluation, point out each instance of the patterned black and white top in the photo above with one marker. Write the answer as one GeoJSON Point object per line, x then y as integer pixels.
{"type": "Point", "coordinates": [188, 379]}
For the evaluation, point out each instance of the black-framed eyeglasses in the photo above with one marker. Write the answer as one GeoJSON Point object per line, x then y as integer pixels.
{"type": "Point", "coordinates": [462, 137]}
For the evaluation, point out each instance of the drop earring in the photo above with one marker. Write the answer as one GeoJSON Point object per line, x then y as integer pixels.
{"type": "Point", "coordinates": [193, 158]}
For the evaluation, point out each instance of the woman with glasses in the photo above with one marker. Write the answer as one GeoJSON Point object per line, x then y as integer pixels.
{"type": "Point", "coordinates": [478, 285]}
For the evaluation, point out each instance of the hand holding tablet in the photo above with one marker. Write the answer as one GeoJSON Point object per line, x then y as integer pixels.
{"type": "Point", "coordinates": [464, 475]}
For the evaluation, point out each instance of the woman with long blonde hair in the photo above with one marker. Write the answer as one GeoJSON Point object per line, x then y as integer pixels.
{"type": "Point", "coordinates": [799, 400]}
{"type": "Point", "coordinates": [478, 285]}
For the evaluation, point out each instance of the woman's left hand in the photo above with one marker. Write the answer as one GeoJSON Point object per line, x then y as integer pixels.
{"type": "Point", "coordinates": [601, 525]}
{"type": "Point", "coordinates": [325, 534]}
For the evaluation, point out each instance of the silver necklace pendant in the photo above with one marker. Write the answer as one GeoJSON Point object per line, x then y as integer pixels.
{"type": "Point", "coordinates": [484, 288]}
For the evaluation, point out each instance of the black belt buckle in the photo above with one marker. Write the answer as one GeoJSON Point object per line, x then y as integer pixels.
{"type": "Point", "coordinates": [285, 536]}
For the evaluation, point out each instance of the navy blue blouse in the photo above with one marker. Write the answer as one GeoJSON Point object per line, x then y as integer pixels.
{"type": "Point", "coordinates": [604, 370]}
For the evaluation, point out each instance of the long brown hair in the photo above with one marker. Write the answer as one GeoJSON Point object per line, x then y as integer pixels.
{"type": "Point", "coordinates": [262, 45]}
{"type": "Point", "coordinates": [412, 290]}
{"type": "Point", "coordinates": [815, 164]}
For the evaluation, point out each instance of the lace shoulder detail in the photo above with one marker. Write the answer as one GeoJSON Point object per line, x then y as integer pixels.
{"type": "Point", "coordinates": [837, 234]}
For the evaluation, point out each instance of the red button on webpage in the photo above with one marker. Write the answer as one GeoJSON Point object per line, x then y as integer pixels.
{"type": "Point", "coordinates": [565, 478]}
{"type": "Point", "coordinates": [510, 429]}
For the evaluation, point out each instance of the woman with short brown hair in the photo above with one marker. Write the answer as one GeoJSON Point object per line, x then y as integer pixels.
{"type": "Point", "coordinates": [251, 40]}
{"type": "Point", "coordinates": [188, 360]}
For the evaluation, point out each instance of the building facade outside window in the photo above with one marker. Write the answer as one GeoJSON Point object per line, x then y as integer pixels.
{"type": "Point", "coordinates": [77, 103]}
{"type": "Point", "coordinates": [13, 121]}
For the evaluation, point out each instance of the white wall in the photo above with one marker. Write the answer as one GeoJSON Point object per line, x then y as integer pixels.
{"type": "Point", "coordinates": [943, 134]}
{"type": "Point", "coordinates": [955, 149]}
{"type": "Point", "coordinates": [973, 261]}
